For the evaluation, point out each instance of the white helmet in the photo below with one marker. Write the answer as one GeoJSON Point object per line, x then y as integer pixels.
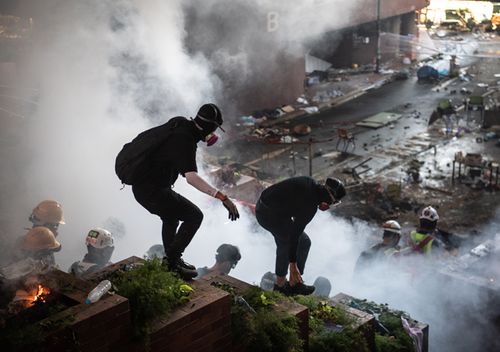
{"type": "Point", "coordinates": [392, 226]}
{"type": "Point", "coordinates": [99, 238]}
{"type": "Point", "coordinates": [429, 213]}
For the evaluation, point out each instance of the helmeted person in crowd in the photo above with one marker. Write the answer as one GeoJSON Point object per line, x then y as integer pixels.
{"type": "Point", "coordinates": [100, 247]}
{"type": "Point", "coordinates": [422, 240]}
{"type": "Point", "coordinates": [39, 244]}
{"type": "Point", "coordinates": [268, 281]}
{"type": "Point", "coordinates": [322, 287]}
{"type": "Point", "coordinates": [285, 209]}
{"type": "Point", "coordinates": [226, 259]}
{"type": "Point", "coordinates": [49, 214]}
{"type": "Point", "coordinates": [155, 251]}
{"type": "Point", "coordinates": [154, 191]}
{"type": "Point", "coordinates": [381, 251]}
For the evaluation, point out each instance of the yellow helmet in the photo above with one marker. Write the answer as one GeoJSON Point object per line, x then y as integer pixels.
{"type": "Point", "coordinates": [49, 212]}
{"type": "Point", "coordinates": [39, 238]}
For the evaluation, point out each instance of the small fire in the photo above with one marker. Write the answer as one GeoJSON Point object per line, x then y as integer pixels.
{"type": "Point", "coordinates": [40, 294]}
{"type": "Point", "coordinates": [28, 298]}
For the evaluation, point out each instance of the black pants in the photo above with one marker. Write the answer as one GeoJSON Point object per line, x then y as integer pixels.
{"type": "Point", "coordinates": [280, 227]}
{"type": "Point", "coordinates": [172, 208]}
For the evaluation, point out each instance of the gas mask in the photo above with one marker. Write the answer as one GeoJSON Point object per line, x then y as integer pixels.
{"type": "Point", "coordinates": [323, 206]}
{"type": "Point", "coordinates": [211, 139]}
{"type": "Point", "coordinates": [208, 122]}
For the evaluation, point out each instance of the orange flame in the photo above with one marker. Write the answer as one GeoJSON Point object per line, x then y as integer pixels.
{"type": "Point", "coordinates": [40, 294]}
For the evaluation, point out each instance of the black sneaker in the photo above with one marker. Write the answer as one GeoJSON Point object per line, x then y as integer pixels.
{"type": "Point", "coordinates": [301, 289]}
{"type": "Point", "coordinates": [282, 289]}
{"type": "Point", "coordinates": [185, 265]}
{"type": "Point", "coordinates": [298, 289]}
{"type": "Point", "coordinates": [176, 267]}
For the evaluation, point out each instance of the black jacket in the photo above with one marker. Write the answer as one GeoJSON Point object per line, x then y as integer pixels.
{"type": "Point", "coordinates": [176, 156]}
{"type": "Point", "coordinates": [296, 198]}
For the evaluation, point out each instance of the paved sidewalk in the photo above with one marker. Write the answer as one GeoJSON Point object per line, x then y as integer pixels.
{"type": "Point", "coordinates": [352, 86]}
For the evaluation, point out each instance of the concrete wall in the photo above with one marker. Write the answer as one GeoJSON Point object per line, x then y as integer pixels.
{"type": "Point", "coordinates": [269, 77]}
{"type": "Point", "coordinates": [358, 45]}
{"type": "Point", "coordinates": [388, 8]}
{"type": "Point", "coordinates": [256, 71]}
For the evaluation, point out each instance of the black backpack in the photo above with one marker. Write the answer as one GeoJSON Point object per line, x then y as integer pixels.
{"type": "Point", "coordinates": [133, 160]}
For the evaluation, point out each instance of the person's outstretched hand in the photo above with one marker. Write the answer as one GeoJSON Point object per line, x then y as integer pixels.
{"type": "Point", "coordinates": [231, 208]}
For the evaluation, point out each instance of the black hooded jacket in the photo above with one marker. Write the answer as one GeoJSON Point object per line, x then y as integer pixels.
{"type": "Point", "coordinates": [296, 198]}
{"type": "Point", "coordinates": [176, 156]}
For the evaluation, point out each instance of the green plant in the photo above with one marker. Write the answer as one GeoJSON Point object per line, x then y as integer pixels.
{"type": "Point", "coordinates": [396, 340]}
{"type": "Point", "coordinates": [152, 292]}
{"type": "Point", "coordinates": [331, 327]}
{"type": "Point", "coordinates": [346, 340]}
{"type": "Point", "coordinates": [391, 344]}
{"type": "Point", "coordinates": [321, 311]}
{"type": "Point", "coordinates": [269, 331]}
{"type": "Point", "coordinates": [256, 324]}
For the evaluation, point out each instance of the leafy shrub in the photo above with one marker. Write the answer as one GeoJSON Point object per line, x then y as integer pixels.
{"type": "Point", "coordinates": [258, 326]}
{"type": "Point", "coordinates": [152, 292]}
{"type": "Point", "coordinates": [330, 327]}
{"type": "Point", "coordinates": [346, 340]}
{"type": "Point", "coordinates": [396, 338]}
{"type": "Point", "coordinates": [398, 341]}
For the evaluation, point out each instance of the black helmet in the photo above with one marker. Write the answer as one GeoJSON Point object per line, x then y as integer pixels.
{"type": "Point", "coordinates": [155, 251]}
{"type": "Point", "coordinates": [336, 187]}
{"type": "Point", "coordinates": [323, 286]}
{"type": "Point", "coordinates": [228, 253]}
{"type": "Point", "coordinates": [209, 117]}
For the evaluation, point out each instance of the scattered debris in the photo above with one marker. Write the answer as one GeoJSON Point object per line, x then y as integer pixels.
{"type": "Point", "coordinates": [288, 108]}
{"type": "Point", "coordinates": [311, 109]}
{"type": "Point", "coordinates": [302, 130]}
{"type": "Point", "coordinates": [302, 100]}
{"type": "Point", "coordinates": [379, 120]}
{"type": "Point", "coordinates": [325, 96]}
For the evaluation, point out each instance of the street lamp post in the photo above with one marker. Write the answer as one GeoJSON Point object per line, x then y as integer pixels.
{"type": "Point", "coordinates": [377, 58]}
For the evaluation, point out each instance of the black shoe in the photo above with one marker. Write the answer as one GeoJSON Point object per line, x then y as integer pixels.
{"type": "Point", "coordinates": [301, 289]}
{"type": "Point", "coordinates": [298, 289]}
{"type": "Point", "coordinates": [176, 267]}
{"type": "Point", "coordinates": [185, 265]}
{"type": "Point", "coordinates": [282, 289]}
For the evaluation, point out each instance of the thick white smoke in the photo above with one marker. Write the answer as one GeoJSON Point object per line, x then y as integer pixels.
{"type": "Point", "coordinates": [105, 71]}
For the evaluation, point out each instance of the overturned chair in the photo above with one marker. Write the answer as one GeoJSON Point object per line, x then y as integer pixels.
{"type": "Point", "coordinates": [345, 136]}
{"type": "Point", "coordinates": [474, 103]}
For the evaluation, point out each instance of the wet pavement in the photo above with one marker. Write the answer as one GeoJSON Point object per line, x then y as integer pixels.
{"type": "Point", "coordinates": [388, 150]}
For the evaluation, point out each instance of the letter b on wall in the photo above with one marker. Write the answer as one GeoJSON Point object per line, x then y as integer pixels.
{"type": "Point", "coordinates": [272, 21]}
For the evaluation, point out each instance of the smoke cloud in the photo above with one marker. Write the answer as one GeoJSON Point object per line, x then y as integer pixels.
{"type": "Point", "coordinates": [106, 70]}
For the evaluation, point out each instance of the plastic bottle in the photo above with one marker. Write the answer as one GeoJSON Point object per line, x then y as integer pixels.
{"type": "Point", "coordinates": [98, 291]}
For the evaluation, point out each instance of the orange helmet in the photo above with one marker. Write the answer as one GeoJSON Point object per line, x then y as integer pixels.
{"type": "Point", "coordinates": [48, 212]}
{"type": "Point", "coordinates": [39, 238]}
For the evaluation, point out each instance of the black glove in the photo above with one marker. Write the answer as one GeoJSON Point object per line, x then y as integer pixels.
{"type": "Point", "coordinates": [231, 208]}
